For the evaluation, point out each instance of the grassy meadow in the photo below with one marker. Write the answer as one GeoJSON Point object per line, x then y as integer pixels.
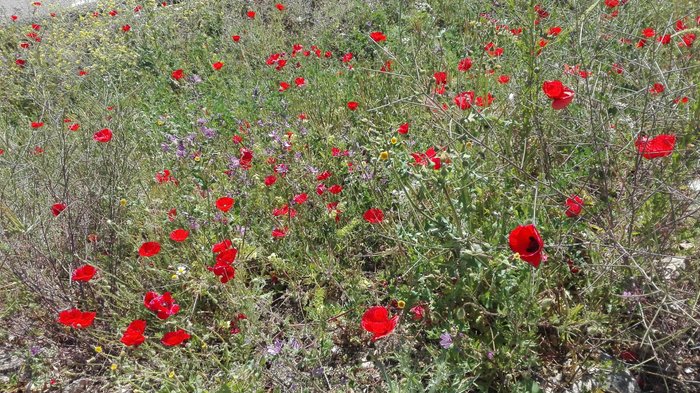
{"type": "Point", "coordinates": [350, 196]}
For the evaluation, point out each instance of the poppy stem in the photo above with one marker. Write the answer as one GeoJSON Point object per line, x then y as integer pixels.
{"type": "Point", "coordinates": [534, 206]}
{"type": "Point", "coordinates": [458, 221]}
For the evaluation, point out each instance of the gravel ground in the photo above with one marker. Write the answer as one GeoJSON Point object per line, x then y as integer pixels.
{"type": "Point", "coordinates": [25, 7]}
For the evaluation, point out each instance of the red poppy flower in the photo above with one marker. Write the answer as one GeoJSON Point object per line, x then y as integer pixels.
{"type": "Point", "coordinates": [352, 105]}
{"type": "Point", "coordinates": [464, 64]}
{"type": "Point", "coordinates": [133, 335]}
{"type": "Point", "coordinates": [378, 36]}
{"type": "Point", "coordinates": [680, 25]}
{"type": "Point", "coordinates": [179, 235]}
{"type": "Point", "coordinates": [224, 203]}
{"type": "Point", "coordinates": [84, 273]}
{"type": "Point", "coordinates": [270, 180]}
{"type": "Point", "coordinates": [164, 176]}
{"type": "Point", "coordinates": [103, 136]}
{"type": "Point", "coordinates": [236, 38]}
{"type": "Point", "coordinates": [526, 241]}
{"type": "Point", "coordinates": [76, 319]}
{"type": "Point", "coordinates": [251, 14]}
{"type": "Point", "coordinates": [657, 88]}
{"type": "Point", "coordinates": [279, 232]}
{"type": "Point", "coordinates": [440, 78]}
{"type": "Point", "coordinates": [335, 189]}
{"type": "Point", "coordinates": [403, 129]}
{"type": "Point", "coordinates": [688, 40]}
{"type": "Point", "coordinates": [149, 249]}
{"type": "Point", "coordinates": [37, 124]}
{"type": "Point", "coordinates": [283, 86]}
{"type": "Point", "coordinates": [178, 74]}
{"type": "Point", "coordinates": [617, 69]}
{"type": "Point", "coordinates": [284, 211]}
{"type": "Point", "coordinates": [492, 50]}
{"type": "Point", "coordinates": [376, 321]}
{"type": "Point", "coordinates": [163, 305]}
{"type": "Point", "coordinates": [172, 213]}
{"type": "Point", "coordinates": [664, 39]}
{"type": "Point", "coordinates": [126, 28]}
{"type": "Point", "coordinates": [659, 146]}
{"type": "Point", "coordinates": [574, 205]}
{"type": "Point", "coordinates": [553, 89]}
{"type": "Point", "coordinates": [336, 152]}
{"type": "Point", "coordinates": [227, 256]}
{"type": "Point", "coordinates": [430, 156]}
{"type": "Point", "coordinates": [74, 127]}
{"type": "Point", "coordinates": [418, 312]}
{"type": "Point", "coordinates": [503, 79]}
{"type": "Point", "coordinates": [175, 338]}
{"type": "Point", "coordinates": [217, 66]}
{"type": "Point", "coordinates": [301, 198]}
{"type": "Point", "coordinates": [57, 208]}
{"type": "Point", "coordinates": [560, 95]}
{"type": "Point", "coordinates": [554, 31]}
{"type": "Point", "coordinates": [374, 216]}
{"type": "Point", "coordinates": [612, 3]}
{"type": "Point", "coordinates": [225, 271]}
{"type": "Point", "coordinates": [648, 32]}
{"type": "Point", "coordinates": [279, 6]}
{"type": "Point", "coordinates": [464, 100]}
{"type": "Point", "coordinates": [222, 246]}
{"type": "Point", "coordinates": [300, 82]}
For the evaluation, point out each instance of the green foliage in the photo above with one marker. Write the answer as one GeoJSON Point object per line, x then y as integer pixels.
{"type": "Point", "coordinates": [443, 243]}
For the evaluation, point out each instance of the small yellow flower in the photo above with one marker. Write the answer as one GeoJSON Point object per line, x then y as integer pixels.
{"type": "Point", "coordinates": [401, 304]}
{"type": "Point", "coordinates": [174, 276]}
{"type": "Point", "coordinates": [171, 375]}
{"type": "Point", "coordinates": [384, 155]}
{"type": "Point", "coordinates": [98, 349]}
{"type": "Point", "coordinates": [469, 145]}
{"type": "Point", "coordinates": [160, 122]}
{"type": "Point", "coordinates": [197, 158]}
{"type": "Point", "coordinates": [204, 345]}
{"type": "Point", "coordinates": [394, 140]}
{"type": "Point", "coordinates": [122, 202]}
{"type": "Point", "coordinates": [113, 367]}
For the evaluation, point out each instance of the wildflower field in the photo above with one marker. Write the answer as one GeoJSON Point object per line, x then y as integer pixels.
{"type": "Point", "coordinates": [350, 196]}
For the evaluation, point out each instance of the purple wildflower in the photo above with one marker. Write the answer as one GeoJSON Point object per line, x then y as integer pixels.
{"type": "Point", "coordinates": [207, 132]}
{"type": "Point", "coordinates": [446, 340]}
{"type": "Point", "coordinates": [275, 348]}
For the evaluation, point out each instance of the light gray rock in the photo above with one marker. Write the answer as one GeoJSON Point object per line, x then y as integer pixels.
{"type": "Point", "coordinates": [10, 364]}
{"type": "Point", "coordinates": [614, 381]}
{"type": "Point", "coordinates": [80, 385]}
